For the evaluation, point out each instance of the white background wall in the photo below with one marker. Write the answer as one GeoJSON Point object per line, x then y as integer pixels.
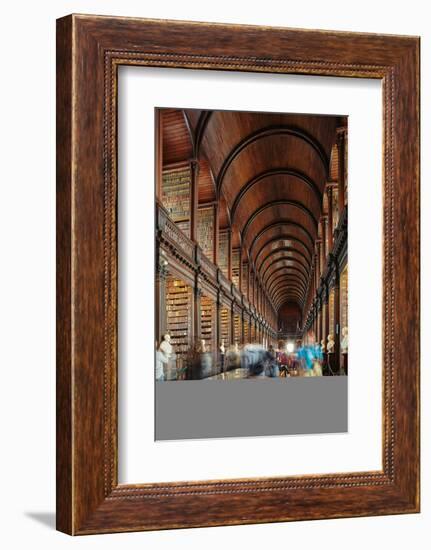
{"type": "Point", "coordinates": [27, 285]}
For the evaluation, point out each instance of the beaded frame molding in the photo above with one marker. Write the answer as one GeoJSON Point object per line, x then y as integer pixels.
{"type": "Point", "coordinates": [89, 51]}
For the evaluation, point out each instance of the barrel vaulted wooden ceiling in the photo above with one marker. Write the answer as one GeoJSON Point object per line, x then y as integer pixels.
{"type": "Point", "coordinates": [268, 172]}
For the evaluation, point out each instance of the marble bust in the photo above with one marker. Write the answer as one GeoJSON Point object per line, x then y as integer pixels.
{"type": "Point", "coordinates": [345, 340]}
{"type": "Point", "coordinates": [331, 344]}
{"type": "Point", "coordinates": [166, 346]}
{"type": "Point", "coordinates": [203, 346]}
{"type": "Point", "coordinates": [222, 348]}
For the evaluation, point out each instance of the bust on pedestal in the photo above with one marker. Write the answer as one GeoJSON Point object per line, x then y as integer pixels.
{"type": "Point", "coordinates": [166, 360]}
{"type": "Point", "coordinates": [206, 361]}
{"type": "Point", "coordinates": [345, 348]}
{"type": "Point", "coordinates": [330, 348]}
{"type": "Point", "coordinates": [222, 350]}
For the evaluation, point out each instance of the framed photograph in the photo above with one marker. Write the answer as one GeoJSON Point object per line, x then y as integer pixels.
{"type": "Point", "coordinates": [237, 274]}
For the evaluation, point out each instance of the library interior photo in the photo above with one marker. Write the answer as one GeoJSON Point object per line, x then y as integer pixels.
{"type": "Point", "coordinates": [251, 278]}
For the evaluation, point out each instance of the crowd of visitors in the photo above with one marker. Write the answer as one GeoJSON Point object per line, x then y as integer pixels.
{"type": "Point", "coordinates": [250, 361]}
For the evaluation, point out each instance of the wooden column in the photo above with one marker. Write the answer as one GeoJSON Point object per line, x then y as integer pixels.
{"type": "Point", "coordinates": [197, 293]}
{"type": "Point", "coordinates": [341, 143]}
{"type": "Point", "coordinates": [319, 262]}
{"type": "Point", "coordinates": [323, 245]}
{"type": "Point", "coordinates": [232, 325]}
{"type": "Point", "coordinates": [240, 270]}
{"type": "Point", "coordinates": [160, 298]}
{"type": "Point", "coordinates": [257, 296]}
{"type": "Point", "coordinates": [242, 327]}
{"type": "Point", "coordinates": [159, 155]}
{"type": "Point", "coordinates": [329, 226]}
{"type": "Point", "coordinates": [229, 254]}
{"type": "Point", "coordinates": [314, 323]}
{"type": "Point", "coordinates": [336, 328]}
{"type": "Point", "coordinates": [312, 286]}
{"type": "Point", "coordinates": [216, 233]}
{"type": "Point", "coordinates": [194, 172]}
{"type": "Point", "coordinates": [218, 327]}
{"type": "Point", "coordinates": [326, 313]}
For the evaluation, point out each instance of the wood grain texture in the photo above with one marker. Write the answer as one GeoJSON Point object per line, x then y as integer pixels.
{"type": "Point", "coordinates": [89, 499]}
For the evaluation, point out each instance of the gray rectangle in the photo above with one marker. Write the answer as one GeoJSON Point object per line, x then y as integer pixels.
{"type": "Point", "coordinates": [196, 409]}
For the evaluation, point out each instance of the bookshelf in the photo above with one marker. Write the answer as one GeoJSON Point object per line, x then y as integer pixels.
{"type": "Point", "coordinates": [237, 328]}
{"type": "Point", "coordinates": [331, 312]}
{"type": "Point", "coordinates": [223, 251]}
{"type": "Point", "coordinates": [344, 299]}
{"type": "Point", "coordinates": [207, 322]}
{"type": "Point", "coordinates": [334, 208]}
{"type": "Point", "coordinates": [252, 332]}
{"type": "Point", "coordinates": [244, 278]}
{"type": "Point", "coordinates": [176, 196]}
{"type": "Point", "coordinates": [235, 267]}
{"type": "Point", "coordinates": [205, 230]}
{"type": "Point", "coordinates": [324, 306]}
{"type": "Point", "coordinates": [178, 316]}
{"type": "Point", "coordinates": [225, 325]}
{"type": "Point", "coordinates": [246, 324]}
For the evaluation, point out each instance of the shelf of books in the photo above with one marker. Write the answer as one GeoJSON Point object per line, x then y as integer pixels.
{"type": "Point", "coordinates": [205, 231]}
{"type": "Point", "coordinates": [252, 332]}
{"type": "Point", "coordinates": [334, 208]}
{"type": "Point", "coordinates": [331, 305]}
{"type": "Point", "coordinates": [223, 251]}
{"type": "Point", "coordinates": [246, 326]}
{"type": "Point", "coordinates": [176, 196]}
{"type": "Point", "coordinates": [324, 331]}
{"type": "Point", "coordinates": [344, 320]}
{"type": "Point", "coordinates": [244, 281]}
{"type": "Point", "coordinates": [207, 322]}
{"type": "Point", "coordinates": [178, 316]}
{"type": "Point", "coordinates": [237, 328]}
{"type": "Point", "coordinates": [235, 267]}
{"type": "Point", "coordinates": [225, 325]}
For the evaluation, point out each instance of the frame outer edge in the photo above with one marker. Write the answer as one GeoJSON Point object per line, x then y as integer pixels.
{"type": "Point", "coordinates": [64, 368]}
{"type": "Point", "coordinates": [407, 273]}
{"type": "Point", "coordinates": [81, 507]}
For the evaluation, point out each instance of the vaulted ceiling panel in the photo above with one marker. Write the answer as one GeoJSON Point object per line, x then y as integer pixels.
{"type": "Point", "coordinates": [206, 188]}
{"type": "Point", "coordinates": [277, 188]}
{"type": "Point", "coordinates": [177, 144]}
{"type": "Point", "coordinates": [268, 171]}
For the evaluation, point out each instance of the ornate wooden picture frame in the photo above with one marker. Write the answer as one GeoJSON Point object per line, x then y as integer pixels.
{"type": "Point", "coordinates": [89, 51]}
